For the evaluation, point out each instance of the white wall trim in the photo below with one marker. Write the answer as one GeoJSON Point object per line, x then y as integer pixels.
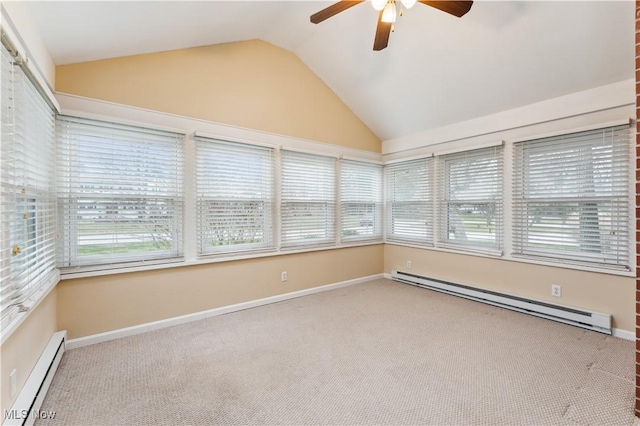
{"type": "Point", "coordinates": [623, 334]}
{"type": "Point", "coordinates": [169, 322]}
{"type": "Point", "coordinates": [592, 126]}
{"type": "Point", "coordinates": [593, 100]}
{"type": "Point", "coordinates": [103, 110]}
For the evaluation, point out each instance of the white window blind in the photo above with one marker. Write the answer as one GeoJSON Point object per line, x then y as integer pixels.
{"type": "Point", "coordinates": [307, 199]}
{"type": "Point", "coordinates": [571, 198]}
{"type": "Point", "coordinates": [120, 193]}
{"type": "Point", "coordinates": [360, 201]}
{"type": "Point", "coordinates": [410, 202]}
{"type": "Point", "coordinates": [470, 202]}
{"type": "Point", "coordinates": [235, 192]}
{"type": "Point", "coordinates": [27, 185]}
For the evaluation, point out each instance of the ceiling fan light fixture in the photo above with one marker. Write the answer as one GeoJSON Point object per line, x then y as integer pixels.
{"type": "Point", "coordinates": [389, 12]}
{"type": "Point", "coordinates": [378, 4]}
{"type": "Point", "coordinates": [408, 3]}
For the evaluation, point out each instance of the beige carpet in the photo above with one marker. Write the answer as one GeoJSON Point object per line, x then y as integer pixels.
{"type": "Point", "coordinates": [375, 353]}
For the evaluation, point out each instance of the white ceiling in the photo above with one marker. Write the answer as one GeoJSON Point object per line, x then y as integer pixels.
{"type": "Point", "coordinates": [437, 70]}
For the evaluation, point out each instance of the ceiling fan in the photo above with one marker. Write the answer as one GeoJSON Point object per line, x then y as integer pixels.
{"type": "Point", "coordinates": [387, 15]}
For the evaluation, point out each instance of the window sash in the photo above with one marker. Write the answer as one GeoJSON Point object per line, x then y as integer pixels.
{"type": "Point", "coordinates": [409, 207]}
{"type": "Point", "coordinates": [470, 204]}
{"type": "Point", "coordinates": [27, 191]}
{"type": "Point", "coordinates": [307, 200]}
{"type": "Point", "coordinates": [571, 202]}
{"type": "Point", "coordinates": [360, 201]}
{"type": "Point", "coordinates": [235, 191]}
{"type": "Point", "coordinates": [120, 194]}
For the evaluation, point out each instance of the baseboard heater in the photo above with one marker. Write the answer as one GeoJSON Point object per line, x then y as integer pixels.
{"type": "Point", "coordinates": [580, 318]}
{"type": "Point", "coordinates": [26, 408]}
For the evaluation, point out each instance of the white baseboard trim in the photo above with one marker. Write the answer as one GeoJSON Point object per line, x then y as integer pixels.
{"type": "Point", "coordinates": [623, 334]}
{"type": "Point", "coordinates": [26, 409]}
{"type": "Point", "coordinates": [387, 276]}
{"type": "Point", "coordinates": [169, 322]}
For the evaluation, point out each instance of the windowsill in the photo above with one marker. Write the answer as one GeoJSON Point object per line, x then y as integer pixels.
{"type": "Point", "coordinates": [22, 316]}
{"type": "Point", "coordinates": [521, 260]}
{"type": "Point", "coordinates": [207, 259]}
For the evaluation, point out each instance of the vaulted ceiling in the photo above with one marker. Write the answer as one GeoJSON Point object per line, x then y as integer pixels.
{"type": "Point", "coordinates": [437, 70]}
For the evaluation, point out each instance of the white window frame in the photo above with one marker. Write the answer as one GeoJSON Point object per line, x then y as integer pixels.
{"type": "Point", "coordinates": [193, 128]}
{"type": "Point", "coordinates": [522, 199]}
{"type": "Point", "coordinates": [423, 170]}
{"type": "Point", "coordinates": [316, 193]}
{"type": "Point", "coordinates": [494, 157]}
{"type": "Point", "coordinates": [129, 115]}
{"type": "Point", "coordinates": [262, 193]}
{"type": "Point", "coordinates": [72, 194]}
{"type": "Point", "coordinates": [28, 213]}
{"type": "Point", "coordinates": [367, 198]}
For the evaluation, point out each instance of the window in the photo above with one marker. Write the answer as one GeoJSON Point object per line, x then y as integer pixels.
{"type": "Point", "coordinates": [119, 192]}
{"type": "Point", "coordinates": [235, 190]}
{"type": "Point", "coordinates": [470, 204]}
{"type": "Point", "coordinates": [360, 200]}
{"type": "Point", "coordinates": [409, 202]}
{"type": "Point", "coordinates": [27, 188]}
{"type": "Point", "coordinates": [307, 200]}
{"type": "Point", "coordinates": [571, 201]}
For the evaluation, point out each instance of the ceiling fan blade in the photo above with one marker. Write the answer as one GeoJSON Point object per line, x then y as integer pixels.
{"type": "Point", "coordinates": [334, 9]}
{"type": "Point", "coordinates": [455, 8]}
{"type": "Point", "coordinates": [382, 34]}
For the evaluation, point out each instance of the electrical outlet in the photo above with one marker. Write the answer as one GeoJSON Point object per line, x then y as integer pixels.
{"type": "Point", "coordinates": [408, 264]}
{"type": "Point", "coordinates": [556, 290]}
{"type": "Point", "coordinates": [284, 276]}
{"type": "Point", "coordinates": [13, 383]}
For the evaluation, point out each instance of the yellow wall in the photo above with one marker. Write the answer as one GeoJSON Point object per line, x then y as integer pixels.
{"type": "Point", "coordinates": [94, 305]}
{"type": "Point", "coordinates": [23, 348]}
{"type": "Point", "coordinates": [251, 84]}
{"type": "Point", "coordinates": [604, 293]}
